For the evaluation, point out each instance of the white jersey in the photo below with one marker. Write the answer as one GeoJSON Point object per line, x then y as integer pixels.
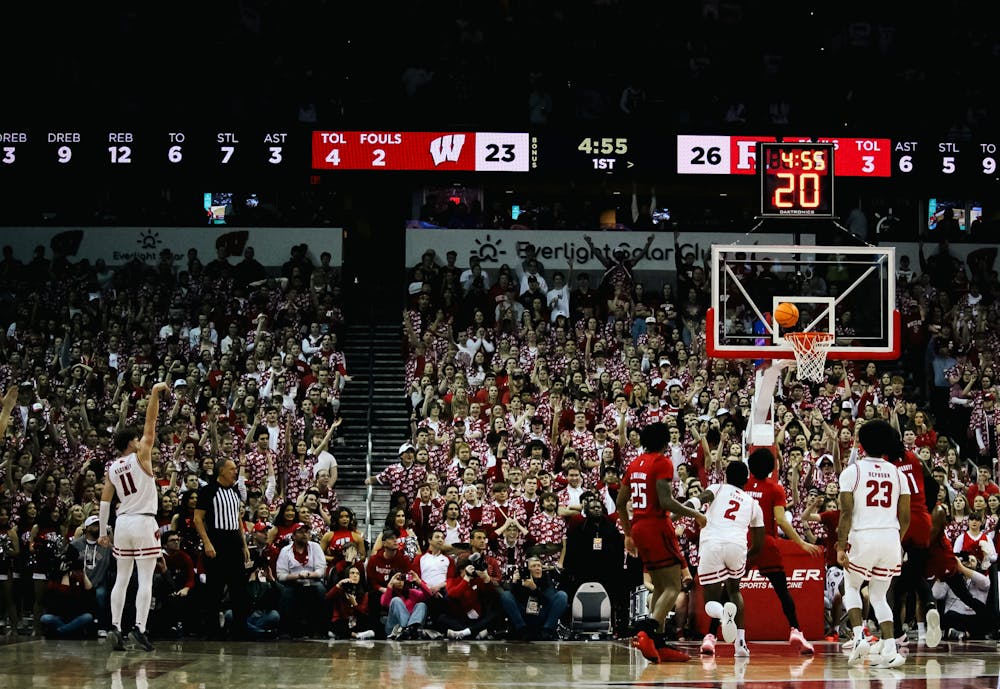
{"type": "Point", "coordinates": [135, 487]}
{"type": "Point", "coordinates": [876, 485]}
{"type": "Point", "coordinates": [731, 512]}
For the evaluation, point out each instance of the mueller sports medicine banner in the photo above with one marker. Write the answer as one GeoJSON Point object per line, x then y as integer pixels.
{"type": "Point", "coordinates": [806, 576]}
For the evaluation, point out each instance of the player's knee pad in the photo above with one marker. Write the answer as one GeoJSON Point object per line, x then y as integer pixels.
{"type": "Point", "coordinates": [852, 590]}
{"type": "Point", "coordinates": [877, 590]}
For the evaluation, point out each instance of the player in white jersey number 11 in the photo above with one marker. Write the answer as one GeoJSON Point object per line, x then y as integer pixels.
{"type": "Point", "coordinates": [136, 539]}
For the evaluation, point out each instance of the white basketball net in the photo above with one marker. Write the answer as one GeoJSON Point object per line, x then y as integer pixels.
{"type": "Point", "coordinates": [810, 353]}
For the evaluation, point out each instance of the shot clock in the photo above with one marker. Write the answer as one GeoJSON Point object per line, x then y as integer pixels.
{"type": "Point", "coordinates": [796, 180]}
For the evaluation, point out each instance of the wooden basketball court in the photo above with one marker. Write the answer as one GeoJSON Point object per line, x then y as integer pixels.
{"type": "Point", "coordinates": [191, 664]}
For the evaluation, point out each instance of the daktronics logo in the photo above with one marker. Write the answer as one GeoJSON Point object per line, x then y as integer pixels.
{"type": "Point", "coordinates": [448, 148]}
{"type": "Point", "coordinates": [753, 579]}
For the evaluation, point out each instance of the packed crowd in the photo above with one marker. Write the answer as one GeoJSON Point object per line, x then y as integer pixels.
{"type": "Point", "coordinates": [529, 387]}
{"type": "Point", "coordinates": [255, 373]}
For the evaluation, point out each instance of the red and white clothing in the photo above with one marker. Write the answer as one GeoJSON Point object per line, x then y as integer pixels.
{"type": "Point", "coordinates": [873, 544]}
{"type": "Point", "coordinates": [136, 529]}
{"type": "Point", "coordinates": [980, 546]}
{"type": "Point", "coordinates": [723, 541]}
{"type": "Point", "coordinates": [547, 528]}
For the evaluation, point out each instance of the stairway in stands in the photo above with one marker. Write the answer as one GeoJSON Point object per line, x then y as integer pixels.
{"type": "Point", "coordinates": [373, 401]}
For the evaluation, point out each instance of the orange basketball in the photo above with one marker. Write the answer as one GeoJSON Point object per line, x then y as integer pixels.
{"type": "Point", "coordinates": [786, 315]}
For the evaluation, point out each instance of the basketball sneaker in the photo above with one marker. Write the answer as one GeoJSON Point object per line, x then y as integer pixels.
{"type": "Point", "coordinates": [115, 640]}
{"type": "Point", "coordinates": [932, 637]}
{"type": "Point", "coordinates": [672, 654]}
{"type": "Point", "coordinates": [740, 649]}
{"type": "Point", "coordinates": [714, 609]}
{"type": "Point", "coordinates": [708, 645]}
{"type": "Point", "coordinates": [799, 642]}
{"type": "Point", "coordinates": [729, 622]}
{"type": "Point", "coordinates": [140, 639]}
{"type": "Point", "coordinates": [888, 661]}
{"type": "Point", "coordinates": [647, 647]}
{"type": "Point", "coordinates": [860, 650]}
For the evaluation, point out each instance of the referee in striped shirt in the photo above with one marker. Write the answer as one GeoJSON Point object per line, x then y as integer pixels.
{"type": "Point", "coordinates": [218, 517]}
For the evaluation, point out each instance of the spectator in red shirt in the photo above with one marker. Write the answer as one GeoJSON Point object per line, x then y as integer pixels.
{"type": "Point", "coordinates": [984, 485]}
{"type": "Point", "coordinates": [384, 561]}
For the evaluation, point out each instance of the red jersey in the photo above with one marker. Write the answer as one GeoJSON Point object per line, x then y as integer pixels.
{"type": "Point", "coordinates": [830, 521]}
{"type": "Point", "coordinates": [919, 532]}
{"type": "Point", "coordinates": [641, 477]}
{"type": "Point", "coordinates": [769, 494]}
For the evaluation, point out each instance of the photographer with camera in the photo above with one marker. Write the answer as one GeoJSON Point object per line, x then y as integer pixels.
{"type": "Point", "coordinates": [532, 604]}
{"type": "Point", "coordinates": [349, 618]}
{"type": "Point", "coordinates": [472, 597]}
{"type": "Point", "coordinates": [69, 603]}
{"type": "Point", "coordinates": [405, 597]}
{"type": "Point", "coordinates": [264, 598]}
{"type": "Point", "coordinates": [180, 580]}
{"type": "Point", "coordinates": [958, 618]}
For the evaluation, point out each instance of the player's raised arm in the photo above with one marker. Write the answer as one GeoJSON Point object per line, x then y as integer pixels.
{"type": "Point", "coordinates": [149, 428]}
{"type": "Point", "coordinates": [668, 502]}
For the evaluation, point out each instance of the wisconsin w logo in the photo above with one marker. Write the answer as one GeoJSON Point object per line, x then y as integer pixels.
{"type": "Point", "coordinates": [447, 148]}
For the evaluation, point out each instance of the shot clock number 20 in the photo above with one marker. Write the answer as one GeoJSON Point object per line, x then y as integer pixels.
{"type": "Point", "coordinates": [796, 180]}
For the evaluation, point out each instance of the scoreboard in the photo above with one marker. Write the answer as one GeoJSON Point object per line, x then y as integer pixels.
{"type": "Point", "coordinates": [301, 152]}
{"type": "Point", "coordinates": [914, 159]}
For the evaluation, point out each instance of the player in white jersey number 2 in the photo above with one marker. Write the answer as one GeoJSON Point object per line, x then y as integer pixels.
{"type": "Point", "coordinates": [723, 548]}
{"type": "Point", "coordinates": [136, 536]}
{"type": "Point", "coordinates": [874, 516]}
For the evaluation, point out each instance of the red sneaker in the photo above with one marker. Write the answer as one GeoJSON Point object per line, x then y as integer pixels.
{"type": "Point", "coordinates": [669, 654]}
{"type": "Point", "coordinates": [646, 647]}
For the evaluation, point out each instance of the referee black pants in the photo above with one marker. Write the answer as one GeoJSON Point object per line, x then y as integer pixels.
{"type": "Point", "coordinates": [226, 572]}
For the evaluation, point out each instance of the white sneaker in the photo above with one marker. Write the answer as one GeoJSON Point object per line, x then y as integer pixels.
{"type": "Point", "coordinates": [876, 648]}
{"type": "Point", "coordinates": [860, 650]}
{"type": "Point", "coordinates": [729, 622]}
{"type": "Point", "coordinates": [713, 609]}
{"type": "Point", "coordinates": [459, 633]}
{"type": "Point", "coordinates": [799, 642]}
{"type": "Point", "coordinates": [708, 645]}
{"type": "Point", "coordinates": [889, 661]}
{"type": "Point", "coordinates": [396, 632]}
{"type": "Point", "coordinates": [367, 634]}
{"type": "Point", "coordinates": [932, 636]}
{"type": "Point", "coordinates": [740, 649]}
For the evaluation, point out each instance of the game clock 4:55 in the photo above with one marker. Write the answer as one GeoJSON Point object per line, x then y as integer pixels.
{"type": "Point", "coordinates": [606, 152]}
{"type": "Point", "coordinates": [796, 180]}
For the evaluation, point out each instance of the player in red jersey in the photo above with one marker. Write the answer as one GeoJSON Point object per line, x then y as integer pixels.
{"type": "Point", "coordinates": [943, 565]}
{"type": "Point", "coordinates": [916, 547]}
{"type": "Point", "coordinates": [772, 499]}
{"type": "Point", "coordinates": [644, 503]}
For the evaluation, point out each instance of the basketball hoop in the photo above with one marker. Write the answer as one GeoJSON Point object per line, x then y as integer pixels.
{"type": "Point", "coordinates": [810, 353]}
